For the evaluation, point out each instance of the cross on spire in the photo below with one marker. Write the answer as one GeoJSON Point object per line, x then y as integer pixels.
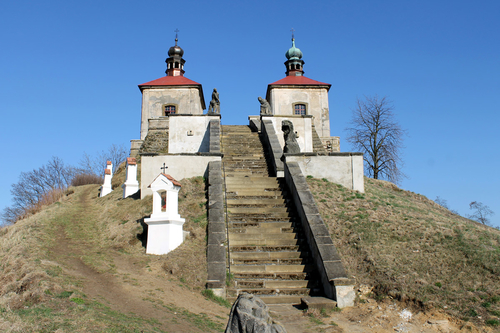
{"type": "Point", "coordinates": [293, 36]}
{"type": "Point", "coordinates": [176, 35]}
{"type": "Point", "coordinates": [164, 168]}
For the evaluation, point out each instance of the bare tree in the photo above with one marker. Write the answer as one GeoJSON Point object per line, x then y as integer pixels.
{"type": "Point", "coordinates": [481, 213]}
{"type": "Point", "coordinates": [96, 164]}
{"type": "Point", "coordinates": [34, 186]}
{"type": "Point", "coordinates": [375, 132]}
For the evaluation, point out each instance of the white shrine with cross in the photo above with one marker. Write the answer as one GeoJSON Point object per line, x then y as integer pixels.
{"type": "Point", "coordinates": [165, 224]}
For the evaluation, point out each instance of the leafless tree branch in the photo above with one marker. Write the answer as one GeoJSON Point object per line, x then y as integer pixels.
{"type": "Point", "coordinates": [374, 131]}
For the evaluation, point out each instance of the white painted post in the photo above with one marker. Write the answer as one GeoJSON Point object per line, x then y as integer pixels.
{"type": "Point", "coordinates": [164, 227]}
{"type": "Point", "coordinates": [131, 185]}
{"type": "Point", "coordinates": [106, 187]}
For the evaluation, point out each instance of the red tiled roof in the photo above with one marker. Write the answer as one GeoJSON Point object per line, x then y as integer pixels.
{"type": "Point", "coordinates": [171, 81]}
{"type": "Point", "coordinates": [175, 182]}
{"type": "Point", "coordinates": [300, 81]}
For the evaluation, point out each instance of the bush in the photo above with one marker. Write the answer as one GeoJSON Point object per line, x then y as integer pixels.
{"type": "Point", "coordinates": [85, 179]}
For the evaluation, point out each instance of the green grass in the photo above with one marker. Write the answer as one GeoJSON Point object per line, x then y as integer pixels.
{"type": "Point", "coordinates": [209, 294]}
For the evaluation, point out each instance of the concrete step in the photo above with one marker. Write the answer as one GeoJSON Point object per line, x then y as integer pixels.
{"type": "Point", "coordinates": [260, 225]}
{"type": "Point", "coordinates": [269, 291]}
{"type": "Point", "coordinates": [255, 219]}
{"type": "Point", "coordinates": [234, 202]}
{"type": "Point", "coordinates": [280, 284]}
{"type": "Point", "coordinates": [265, 242]}
{"type": "Point", "coordinates": [275, 211]}
{"type": "Point", "coordinates": [253, 192]}
{"type": "Point", "coordinates": [275, 269]}
{"type": "Point", "coordinates": [252, 180]}
{"type": "Point", "coordinates": [253, 237]}
{"type": "Point", "coordinates": [257, 230]}
{"type": "Point", "coordinates": [265, 255]}
{"type": "Point", "coordinates": [263, 248]}
{"type": "Point", "coordinates": [275, 299]}
{"type": "Point", "coordinates": [282, 276]}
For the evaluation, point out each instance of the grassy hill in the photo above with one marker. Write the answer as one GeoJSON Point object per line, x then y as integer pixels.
{"type": "Point", "coordinates": [80, 264]}
{"type": "Point", "coordinates": [401, 245]}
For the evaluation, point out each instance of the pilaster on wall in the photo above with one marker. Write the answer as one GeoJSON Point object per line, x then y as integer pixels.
{"type": "Point", "coordinates": [214, 128]}
{"type": "Point", "coordinates": [336, 283]}
{"type": "Point", "coordinates": [272, 146]}
{"type": "Point", "coordinates": [216, 250]}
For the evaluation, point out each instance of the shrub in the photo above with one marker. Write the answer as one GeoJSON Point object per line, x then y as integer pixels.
{"type": "Point", "coordinates": [85, 179]}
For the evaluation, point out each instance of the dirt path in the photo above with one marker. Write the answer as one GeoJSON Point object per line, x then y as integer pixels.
{"type": "Point", "coordinates": [130, 288]}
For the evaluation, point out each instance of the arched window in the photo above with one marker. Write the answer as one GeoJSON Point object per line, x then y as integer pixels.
{"type": "Point", "coordinates": [168, 109]}
{"type": "Point", "coordinates": [300, 109]}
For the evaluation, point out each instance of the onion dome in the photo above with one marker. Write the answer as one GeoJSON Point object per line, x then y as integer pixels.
{"type": "Point", "coordinates": [293, 53]}
{"type": "Point", "coordinates": [175, 50]}
{"type": "Point", "coordinates": [294, 64]}
{"type": "Point", "coordinates": [175, 62]}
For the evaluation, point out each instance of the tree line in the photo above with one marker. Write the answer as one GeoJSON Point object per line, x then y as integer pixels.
{"type": "Point", "coordinates": [46, 184]}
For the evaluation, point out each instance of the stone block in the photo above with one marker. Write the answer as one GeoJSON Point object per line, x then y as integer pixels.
{"type": "Point", "coordinates": [310, 209]}
{"type": "Point", "coordinates": [216, 253]}
{"type": "Point", "coordinates": [306, 198]}
{"type": "Point", "coordinates": [215, 204]}
{"type": "Point", "coordinates": [319, 230]}
{"type": "Point", "coordinates": [216, 227]}
{"type": "Point", "coordinates": [328, 252]}
{"type": "Point", "coordinates": [313, 219]}
{"type": "Point", "coordinates": [345, 296]}
{"type": "Point", "coordinates": [216, 272]}
{"type": "Point", "coordinates": [215, 238]}
{"type": "Point", "coordinates": [215, 214]}
{"type": "Point", "coordinates": [318, 303]}
{"type": "Point", "coordinates": [334, 269]}
{"type": "Point", "coordinates": [324, 240]}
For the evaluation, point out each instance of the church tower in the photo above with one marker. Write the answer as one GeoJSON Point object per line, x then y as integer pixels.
{"type": "Point", "coordinates": [171, 94]}
{"type": "Point", "coordinates": [297, 96]}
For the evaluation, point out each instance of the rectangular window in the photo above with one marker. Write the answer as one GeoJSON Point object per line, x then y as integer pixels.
{"type": "Point", "coordinates": [169, 109]}
{"type": "Point", "coordinates": [300, 109]}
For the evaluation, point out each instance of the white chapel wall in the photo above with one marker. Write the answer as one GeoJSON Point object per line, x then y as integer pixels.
{"type": "Point", "coordinates": [282, 100]}
{"type": "Point", "coordinates": [186, 99]}
{"type": "Point", "coordinates": [189, 134]}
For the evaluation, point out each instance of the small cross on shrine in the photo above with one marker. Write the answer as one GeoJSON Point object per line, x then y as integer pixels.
{"type": "Point", "coordinates": [293, 30]}
{"type": "Point", "coordinates": [164, 168]}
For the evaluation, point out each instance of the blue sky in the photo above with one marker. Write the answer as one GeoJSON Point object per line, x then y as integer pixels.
{"type": "Point", "coordinates": [69, 73]}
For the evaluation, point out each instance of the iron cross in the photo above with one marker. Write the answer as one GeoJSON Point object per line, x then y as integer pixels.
{"type": "Point", "coordinates": [164, 168]}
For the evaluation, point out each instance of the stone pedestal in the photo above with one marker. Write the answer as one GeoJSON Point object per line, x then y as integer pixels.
{"type": "Point", "coordinates": [131, 185]}
{"type": "Point", "coordinates": [163, 235]}
{"type": "Point", "coordinates": [165, 224]}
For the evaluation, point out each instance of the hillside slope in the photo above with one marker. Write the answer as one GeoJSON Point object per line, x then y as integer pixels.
{"type": "Point", "coordinates": [80, 266]}
{"type": "Point", "coordinates": [400, 245]}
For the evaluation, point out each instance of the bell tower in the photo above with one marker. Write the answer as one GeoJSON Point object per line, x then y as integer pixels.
{"type": "Point", "coordinates": [175, 63]}
{"type": "Point", "coordinates": [294, 64]}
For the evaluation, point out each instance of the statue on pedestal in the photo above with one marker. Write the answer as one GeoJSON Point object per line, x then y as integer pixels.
{"type": "Point", "coordinates": [214, 106]}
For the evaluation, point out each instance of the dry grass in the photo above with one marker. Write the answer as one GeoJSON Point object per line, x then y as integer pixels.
{"type": "Point", "coordinates": [407, 247]}
{"type": "Point", "coordinates": [38, 292]}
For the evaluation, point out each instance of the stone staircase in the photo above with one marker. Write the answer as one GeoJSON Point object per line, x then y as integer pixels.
{"type": "Point", "coordinates": [267, 256]}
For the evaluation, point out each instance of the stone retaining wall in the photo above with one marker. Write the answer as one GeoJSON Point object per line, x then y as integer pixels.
{"type": "Point", "coordinates": [216, 249]}
{"type": "Point", "coordinates": [272, 146]}
{"type": "Point", "coordinates": [334, 279]}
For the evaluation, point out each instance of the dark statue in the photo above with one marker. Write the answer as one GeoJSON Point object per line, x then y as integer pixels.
{"type": "Point", "coordinates": [265, 108]}
{"type": "Point", "coordinates": [291, 145]}
{"type": "Point", "coordinates": [214, 106]}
